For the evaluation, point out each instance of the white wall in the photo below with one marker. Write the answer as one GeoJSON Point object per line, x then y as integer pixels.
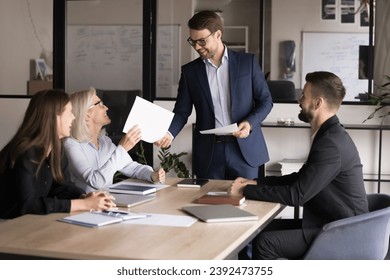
{"type": "Point", "coordinates": [382, 43]}
{"type": "Point", "coordinates": [11, 116]}
{"type": "Point", "coordinates": [26, 28]}
{"type": "Point", "coordinates": [290, 19]}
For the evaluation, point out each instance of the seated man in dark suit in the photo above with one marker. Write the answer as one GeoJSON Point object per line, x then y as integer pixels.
{"type": "Point", "coordinates": [329, 186]}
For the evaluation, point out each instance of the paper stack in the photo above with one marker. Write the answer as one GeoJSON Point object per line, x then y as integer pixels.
{"type": "Point", "coordinates": [289, 165]}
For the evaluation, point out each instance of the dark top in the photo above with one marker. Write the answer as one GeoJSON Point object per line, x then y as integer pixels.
{"type": "Point", "coordinates": [22, 192]}
{"type": "Point", "coordinates": [330, 184]}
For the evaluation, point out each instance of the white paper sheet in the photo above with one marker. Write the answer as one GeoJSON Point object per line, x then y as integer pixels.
{"type": "Point", "coordinates": [153, 120]}
{"type": "Point", "coordinates": [164, 220]}
{"type": "Point", "coordinates": [229, 129]}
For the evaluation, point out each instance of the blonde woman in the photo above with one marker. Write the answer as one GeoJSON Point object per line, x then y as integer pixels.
{"type": "Point", "coordinates": [92, 156]}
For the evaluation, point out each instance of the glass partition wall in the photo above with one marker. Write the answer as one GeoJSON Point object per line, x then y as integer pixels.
{"type": "Point", "coordinates": [104, 45]}
{"type": "Point", "coordinates": [290, 39]}
{"type": "Point", "coordinates": [302, 36]}
{"type": "Point", "coordinates": [268, 28]}
{"type": "Point", "coordinates": [241, 32]}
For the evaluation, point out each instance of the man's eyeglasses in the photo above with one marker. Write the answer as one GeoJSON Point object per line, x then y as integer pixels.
{"type": "Point", "coordinates": [200, 42]}
{"type": "Point", "coordinates": [100, 103]}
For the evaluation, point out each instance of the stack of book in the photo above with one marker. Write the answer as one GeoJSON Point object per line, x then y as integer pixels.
{"type": "Point", "coordinates": [220, 198]}
{"type": "Point", "coordinates": [127, 188]}
{"type": "Point", "coordinates": [289, 165]}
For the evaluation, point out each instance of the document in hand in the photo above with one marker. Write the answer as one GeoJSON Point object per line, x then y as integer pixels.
{"type": "Point", "coordinates": [229, 129]}
{"type": "Point", "coordinates": [213, 198]}
{"type": "Point", "coordinates": [153, 120]}
{"type": "Point", "coordinates": [219, 213]}
{"type": "Point", "coordinates": [132, 189]}
{"type": "Point", "coordinates": [101, 218]}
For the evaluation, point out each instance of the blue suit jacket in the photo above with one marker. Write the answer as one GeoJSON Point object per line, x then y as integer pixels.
{"type": "Point", "coordinates": [250, 100]}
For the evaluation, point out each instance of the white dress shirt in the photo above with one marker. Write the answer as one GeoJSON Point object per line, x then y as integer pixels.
{"type": "Point", "coordinates": [218, 77]}
{"type": "Point", "coordinates": [93, 168]}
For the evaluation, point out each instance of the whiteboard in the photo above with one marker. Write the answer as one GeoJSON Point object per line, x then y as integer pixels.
{"type": "Point", "coordinates": [110, 57]}
{"type": "Point", "coordinates": [337, 53]}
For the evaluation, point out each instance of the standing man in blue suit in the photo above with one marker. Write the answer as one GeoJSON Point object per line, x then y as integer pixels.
{"type": "Point", "coordinates": [225, 87]}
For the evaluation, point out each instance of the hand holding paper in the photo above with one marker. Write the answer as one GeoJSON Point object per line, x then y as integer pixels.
{"type": "Point", "coordinates": [131, 138]}
{"type": "Point", "coordinates": [229, 129]}
{"type": "Point", "coordinates": [153, 120]}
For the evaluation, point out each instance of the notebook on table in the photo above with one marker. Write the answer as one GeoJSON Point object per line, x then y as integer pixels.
{"type": "Point", "coordinates": [101, 218]}
{"type": "Point", "coordinates": [219, 213]}
{"type": "Point", "coordinates": [192, 183]}
{"type": "Point", "coordinates": [220, 198]}
{"type": "Point", "coordinates": [132, 189]}
{"type": "Point", "coordinates": [130, 200]}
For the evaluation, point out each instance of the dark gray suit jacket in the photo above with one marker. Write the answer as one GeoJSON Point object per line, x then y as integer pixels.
{"type": "Point", "coordinates": [330, 184]}
{"type": "Point", "coordinates": [250, 100]}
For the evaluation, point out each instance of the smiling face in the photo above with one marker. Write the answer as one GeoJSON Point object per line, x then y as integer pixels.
{"type": "Point", "coordinates": [213, 42]}
{"type": "Point", "coordinates": [97, 113]}
{"type": "Point", "coordinates": [64, 121]}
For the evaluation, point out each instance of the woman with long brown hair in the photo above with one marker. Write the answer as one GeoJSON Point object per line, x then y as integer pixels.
{"type": "Point", "coordinates": [33, 168]}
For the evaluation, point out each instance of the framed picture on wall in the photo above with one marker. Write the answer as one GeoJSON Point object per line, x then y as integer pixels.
{"type": "Point", "coordinates": [347, 11]}
{"type": "Point", "coordinates": [328, 9]}
{"type": "Point", "coordinates": [40, 69]}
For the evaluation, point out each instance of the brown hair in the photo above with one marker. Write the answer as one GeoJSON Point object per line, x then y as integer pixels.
{"type": "Point", "coordinates": [206, 20]}
{"type": "Point", "coordinates": [39, 130]}
{"type": "Point", "coordinates": [327, 85]}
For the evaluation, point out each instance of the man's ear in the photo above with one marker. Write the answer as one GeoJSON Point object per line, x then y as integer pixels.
{"type": "Point", "coordinates": [319, 102]}
{"type": "Point", "coordinates": [218, 34]}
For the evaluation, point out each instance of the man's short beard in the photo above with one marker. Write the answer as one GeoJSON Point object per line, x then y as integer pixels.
{"type": "Point", "coordinates": [305, 117]}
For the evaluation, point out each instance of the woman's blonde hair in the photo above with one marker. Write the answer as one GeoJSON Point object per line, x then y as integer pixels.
{"type": "Point", "coordinates": [81, 101]}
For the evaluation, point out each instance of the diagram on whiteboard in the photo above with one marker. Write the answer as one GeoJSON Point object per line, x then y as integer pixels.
{"type": "Point", "coordinates": [337, 53]}
{"type": "Point", "coordinates": [110, 57]}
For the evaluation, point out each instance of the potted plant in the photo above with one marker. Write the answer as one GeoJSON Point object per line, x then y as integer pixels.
{"type": "Point", "coordinates": [171, 161]}
{"type": "Point", "coordinates": [380, 100]}
{"type": "Point", "coordinates": [168, 161]}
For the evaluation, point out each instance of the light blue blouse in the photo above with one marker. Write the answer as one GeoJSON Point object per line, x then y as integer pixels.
{"type": "Point", "coordinates": [93, 168]}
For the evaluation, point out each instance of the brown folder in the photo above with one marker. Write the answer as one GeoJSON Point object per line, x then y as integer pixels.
{"type": "Point", "coordinates": [220, 199]}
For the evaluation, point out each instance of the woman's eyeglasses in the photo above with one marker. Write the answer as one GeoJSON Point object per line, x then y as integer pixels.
{"type": "Point", "coordinates": [200, 42]}
{"type": "Point", "coordinates": [100, 103]}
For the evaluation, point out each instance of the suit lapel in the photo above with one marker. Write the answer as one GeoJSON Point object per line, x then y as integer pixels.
{"type": "Point", "coordinates": [234, 65]}
{"type": "Point", "coordinates": [233, 73]}
{"type": "Point", "coordinates": [200, 71]}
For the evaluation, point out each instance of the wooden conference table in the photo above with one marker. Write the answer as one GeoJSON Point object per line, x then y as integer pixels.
{"type": "Point", "coordinates": [43, 236]}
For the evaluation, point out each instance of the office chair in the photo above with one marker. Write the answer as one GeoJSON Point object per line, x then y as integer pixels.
{"type": "Point", "coordinates": [282, 90]}
{"type": "Point", "coordinates": [362, 237]}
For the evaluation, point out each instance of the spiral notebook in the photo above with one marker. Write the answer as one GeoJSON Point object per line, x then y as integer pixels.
{"type": "Point", "coordinates": [101, 218]}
